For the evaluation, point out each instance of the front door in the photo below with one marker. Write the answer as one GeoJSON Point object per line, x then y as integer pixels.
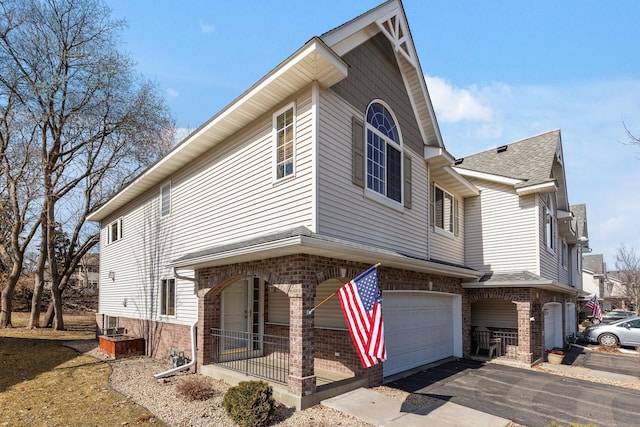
{"type": "Point", "coordinates": [242, 319]}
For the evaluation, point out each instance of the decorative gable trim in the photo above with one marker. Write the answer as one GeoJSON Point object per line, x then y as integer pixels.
{"type": "Point", "coordinates": [395, 28]}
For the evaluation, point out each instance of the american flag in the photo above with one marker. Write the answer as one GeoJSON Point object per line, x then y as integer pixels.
{"type": "Point", "coordinates": [362, 309]}
{"type": "Point", "coordinates": [595, 307]}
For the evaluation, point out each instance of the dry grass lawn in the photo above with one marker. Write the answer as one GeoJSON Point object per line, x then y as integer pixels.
{"type": "Point", "coordinates": [44, 383]}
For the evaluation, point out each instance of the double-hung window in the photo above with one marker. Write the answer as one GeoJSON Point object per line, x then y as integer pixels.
{"type": "Point", "coordinates": [168, 297]}
{"type": "Point", "coordinates": [384, 153]}
{"type": "Point", "coordinates": [114, 231]}
{"type": "Point", "coordinates": [565, 254]}
{"type": "Point", "coordinates": [444, 210]}
{"type": "Point", "coordinates": [549, 224]}
{"type": "Point", "coordinates": [283, 124]}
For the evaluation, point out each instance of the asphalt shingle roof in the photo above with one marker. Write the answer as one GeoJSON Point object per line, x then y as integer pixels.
{"type": "Point", "coordinates": [593, 263]}
{"type": "Point", "coordinates": [530, 159]}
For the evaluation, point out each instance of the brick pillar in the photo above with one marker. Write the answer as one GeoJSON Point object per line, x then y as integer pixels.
{"type": "Point", "coordinates": [302, 379]}
{"type": "Point", "coordinates": [524, 332]}
{"type": "Point", "coordinates": [208, 317]}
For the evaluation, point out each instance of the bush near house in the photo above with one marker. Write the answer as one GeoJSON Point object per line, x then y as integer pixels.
{"type": "Point", "coordinates": [195, 388]}
{"type": "Point", "coordinates": [250, 403]}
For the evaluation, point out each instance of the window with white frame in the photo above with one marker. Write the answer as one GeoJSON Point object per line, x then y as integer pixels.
{"type": "Point", "coordinates": [114, 231]}
{"type": "Point", "coordinates": [549, 223]}
{"type": "Point", "coordinates": [111, 322]}
{"type": "Point", "coordinates": [565, 254]}
{"type": "Point", "coordinates": [384, 153]}
{"type": "Point", "coordinates": [168, 297]}
{"type": "Point", "coordinates": [283, 125]}
{"type": "Point", "coordinates": [165, 199]}
{"type": "Point", "coordinates": [444, 210]}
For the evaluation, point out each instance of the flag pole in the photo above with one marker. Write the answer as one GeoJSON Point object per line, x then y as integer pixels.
{"type": "Point", "coordinates": [330, 296]}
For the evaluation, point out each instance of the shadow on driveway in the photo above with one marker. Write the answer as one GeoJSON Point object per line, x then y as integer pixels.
{"type": "Point", "coordinates": [526, 396]}
{"type": "Point", "coordinates": [600, 361]}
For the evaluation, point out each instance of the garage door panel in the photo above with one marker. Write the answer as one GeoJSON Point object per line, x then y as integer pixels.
{"type": "Point", "coordinates": [418, 329]}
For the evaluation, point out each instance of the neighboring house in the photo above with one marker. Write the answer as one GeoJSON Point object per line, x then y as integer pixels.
{"type": "Point", "coordinates": [607, 286]}
{"type": "Point", "coordinates": [85, 276]}
{"type": "Point", "coordinates": [521, 232]}
{"type": "Point", "coordinates": [622, 290]}
{"type": "Point", "coordinates": [329, 164]}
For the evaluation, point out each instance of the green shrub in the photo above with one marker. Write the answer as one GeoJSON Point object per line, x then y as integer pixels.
{"type": "Point", "coordinates": [585, 323]}
{"type": "Point", "coordinates": [250, 403]}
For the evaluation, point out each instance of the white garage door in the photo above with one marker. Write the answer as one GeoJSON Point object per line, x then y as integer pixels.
{"type": "Point", "coordinates": [552, 325]}
{"type": "Point", "coordinates": [420, 328]}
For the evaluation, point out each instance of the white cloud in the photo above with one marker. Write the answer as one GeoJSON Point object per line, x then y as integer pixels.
{"type": "Point", "coordinates": [454, 104]}
{"type": "Point", "coordinates": [172, 93]}
{"type": "Point", "coordinates": [601, 170]}
{"type": "Point", "coordinates": [206, 28]}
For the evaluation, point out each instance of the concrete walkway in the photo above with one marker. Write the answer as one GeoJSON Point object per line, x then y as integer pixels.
{"type": "Point", "coordinates": [380, 410]}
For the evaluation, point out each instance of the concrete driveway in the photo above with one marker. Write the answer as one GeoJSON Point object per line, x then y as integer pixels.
{"type": "Point", "coordinates": [528, 396]}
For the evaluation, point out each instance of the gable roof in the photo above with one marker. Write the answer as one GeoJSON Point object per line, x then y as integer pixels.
{"type": "Point", "coordinates": [390, 19]}
{"type": "Point", "coordinates": [528, 161]}
{"type": "Point", "coordinates": [317, 60]}
{"type": "Point", "coordinates": [594, 263]}
{"type": "Point", "coordinates": [580, 217]}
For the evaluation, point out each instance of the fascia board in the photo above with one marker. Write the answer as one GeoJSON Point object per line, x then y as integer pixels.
{"type": "Point", "coordinates": [547, 187]}
{"type": "Point", "coordinates": [471, 190]}
{"type": "Point", "coordinates": [467, 173]}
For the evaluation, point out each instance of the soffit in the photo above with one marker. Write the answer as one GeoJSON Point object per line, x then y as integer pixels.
{"type": "Point", "coordinates": [313, 62]}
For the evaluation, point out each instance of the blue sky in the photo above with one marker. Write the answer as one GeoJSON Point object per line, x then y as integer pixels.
{"type": "Point", "coordinates": [497, 72]}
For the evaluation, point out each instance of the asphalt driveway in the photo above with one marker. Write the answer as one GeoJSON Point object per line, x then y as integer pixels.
{"type": "Point", "coordinates": [527, 396]}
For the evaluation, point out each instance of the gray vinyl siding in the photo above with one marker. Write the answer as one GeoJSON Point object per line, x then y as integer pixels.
{"type": "Point", "coordinates": [227, 195]}
{"type": "Point", "coordinates": [550, 261]}
{"type": "Point", "coordinates": [344, 209]}
{"type": "Point", "coordinates": [500, 230]}
{"type": "Point", "coordinates": [374, 74]}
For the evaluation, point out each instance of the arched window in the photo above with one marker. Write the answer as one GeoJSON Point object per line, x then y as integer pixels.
{"type": "Point", "coordinates": [384, 153]}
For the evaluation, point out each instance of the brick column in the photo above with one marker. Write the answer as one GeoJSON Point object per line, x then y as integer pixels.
{"type": "Point", "coordinates": [302, 379]}
{"type": "Point", "coordinates": [524, 331]}
{"type": "Point", "coordinates": [208, 317]}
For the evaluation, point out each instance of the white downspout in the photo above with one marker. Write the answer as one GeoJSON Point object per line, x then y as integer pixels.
{"type": "Point", "coordinates": [193, 356]}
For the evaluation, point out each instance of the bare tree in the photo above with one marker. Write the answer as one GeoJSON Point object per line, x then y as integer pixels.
{"type": "Point", "coordinates": [633, 139]}
{"type": "Point", "coordinates": [20, 207]}
{"type": "Point", "coordinates": [628, 271]}
{"type": "Point", "coordinates": [99, 124]}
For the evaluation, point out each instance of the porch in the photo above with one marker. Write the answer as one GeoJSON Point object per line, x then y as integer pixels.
{"type": "Point", "coordinates": [504, 346]}
{"type": "Point", "coordinates": [242, 356]}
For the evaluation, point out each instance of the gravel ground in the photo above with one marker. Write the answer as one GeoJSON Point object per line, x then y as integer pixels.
{"type": "Point", "coordinates": [133, 377]}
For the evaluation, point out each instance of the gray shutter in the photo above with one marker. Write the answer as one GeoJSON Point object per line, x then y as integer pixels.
{"type": "Point", "coordinates": [432, 205]}
{"type": "Point", "coordinates": [358, 152]}
{"type": "Point", "coordinates": [456, 216]}
{"type": "Point", "coordinates": [407, 181]}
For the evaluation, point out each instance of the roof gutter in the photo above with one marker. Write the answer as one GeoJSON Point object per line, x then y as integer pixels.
{"type": "Point", "coordinates": [550, 285]}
